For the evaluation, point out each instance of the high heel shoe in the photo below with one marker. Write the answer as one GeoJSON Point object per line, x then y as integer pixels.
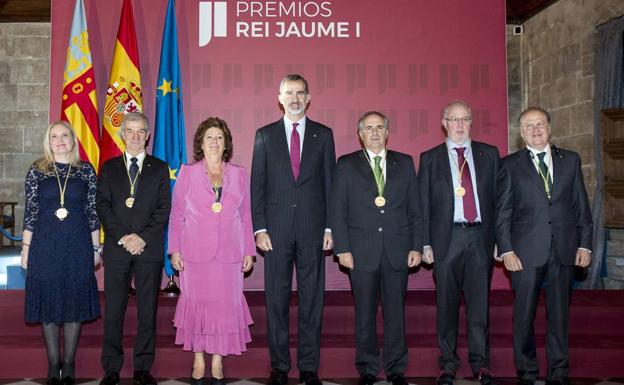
{"type": "Point", "coordinates": [218, 381]}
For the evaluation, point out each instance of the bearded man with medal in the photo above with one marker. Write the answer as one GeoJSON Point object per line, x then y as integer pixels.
{"type": "Point", "coordinates": [458, 184]}
{"type": "Point", "coordinates": [133, 203]}
{"type": "Point", "coordinates": [212, 245]}
{"type": "Point", "coordinates": [375, 220]}
{"type": "Point", "coordinates": [60, 248]}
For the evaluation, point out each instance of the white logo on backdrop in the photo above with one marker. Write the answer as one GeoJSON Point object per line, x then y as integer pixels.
{"type": "Point", "coordinates": [309, 19]}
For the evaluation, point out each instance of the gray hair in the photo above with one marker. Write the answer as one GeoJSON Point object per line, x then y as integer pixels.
{"type": "Point", "coordinates": [134, 117]}
{"type": "Point", "coordinates": [534, 109]}
{"type": "Point", "coordinates": [370, 113]}
{"type": "Point", "coordinates": [455, 103]}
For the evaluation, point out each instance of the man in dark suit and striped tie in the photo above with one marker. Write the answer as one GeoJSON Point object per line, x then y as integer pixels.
{"type": "Point", "coordinates": [293, 162]}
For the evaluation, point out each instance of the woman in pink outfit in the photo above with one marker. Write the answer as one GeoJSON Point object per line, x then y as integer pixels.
{"type": "Point", "coordinates": [211, 244]}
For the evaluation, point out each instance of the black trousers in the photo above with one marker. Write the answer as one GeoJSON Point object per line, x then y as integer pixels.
{"type": "Point", "coordinates": [368, 287]}
{"type": "Point", "coordinates": [309, 263]}
{"type": "Point", "coordinates": [466, 268]}
{"type": "Point", "coordinates": [118, 274]}
{"type": "Point", "coordinates": [527, 285]}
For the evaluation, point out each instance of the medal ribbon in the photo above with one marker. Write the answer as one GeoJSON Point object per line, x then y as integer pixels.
{"type": "Point", "coordinates": [379, 178]}
{"type": "Point", "coordinates": [58, 179]}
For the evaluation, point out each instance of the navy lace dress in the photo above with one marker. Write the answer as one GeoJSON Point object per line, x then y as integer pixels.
{"type": "Point", "coordinates": [60, 280]}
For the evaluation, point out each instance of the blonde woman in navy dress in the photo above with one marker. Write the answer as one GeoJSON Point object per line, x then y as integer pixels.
{"type": "Point", "coordinates": [60, 248]}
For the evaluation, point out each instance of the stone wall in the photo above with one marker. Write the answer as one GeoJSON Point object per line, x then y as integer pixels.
{"type": "Point", "coordinates": [24, 83]}
{"type": "Point", "coordinates": [552, 65]}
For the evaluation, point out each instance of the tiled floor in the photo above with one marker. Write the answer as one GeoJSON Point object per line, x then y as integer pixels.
{"type": "Point", "coordinates": [341, 381]}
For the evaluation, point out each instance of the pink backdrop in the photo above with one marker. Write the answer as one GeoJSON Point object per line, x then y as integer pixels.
{"type": "Point", "coordinates": [406, 58]}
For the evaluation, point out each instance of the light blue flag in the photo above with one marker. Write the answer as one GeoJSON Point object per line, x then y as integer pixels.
{"type": "Point", "coordinates": [169, 142]}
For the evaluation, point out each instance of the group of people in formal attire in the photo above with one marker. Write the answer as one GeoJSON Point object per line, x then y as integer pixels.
{"type": "Point", "coordinates": [464, 208]}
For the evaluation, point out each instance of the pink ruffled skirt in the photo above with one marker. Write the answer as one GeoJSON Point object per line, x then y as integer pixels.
{"type": "Point", "coordinates": [212, 315]}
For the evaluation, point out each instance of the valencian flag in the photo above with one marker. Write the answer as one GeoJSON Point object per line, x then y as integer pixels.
{"type": "Point", "coordinates": [123, 94]}
{"type": "Point", "coordinates": [79, 103]}
{"type": "Point", "coordinates": [169, 142]}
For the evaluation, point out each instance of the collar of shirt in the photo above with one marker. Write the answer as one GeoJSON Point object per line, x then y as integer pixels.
{"type": "Point", "coordinates": [140, 159]}
{"type": "Point", "coordinates": [288, 125]}
{"type": "Point", "coordinates": [452, 146]}
{"type": "Point", "coordinates": [535, 152]}
{"type": "Point", "coordinates": [547, 159]}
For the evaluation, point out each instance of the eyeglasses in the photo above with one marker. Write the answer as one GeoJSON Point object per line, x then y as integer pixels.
{"type": "Point", "coordinates": [455, 120]}
{"type": "Point", "coordinates": [540, 125]}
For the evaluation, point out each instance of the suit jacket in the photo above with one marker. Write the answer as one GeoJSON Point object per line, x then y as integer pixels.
{"type": "Point", "coordinates": [149, 214]}
{"type": "Point", "coordinates": [531, 223]}
{"type": "Point", "coordinates": [362, 228]}
{"type": "Point", "coordinates": [285, 206]}
{"type": "Point", "coordinates": [438, 195]}
{"type": "Point", "coordinates": [202, 235]}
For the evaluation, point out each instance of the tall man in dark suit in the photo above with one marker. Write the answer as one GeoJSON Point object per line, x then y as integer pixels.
{"type": "Point", "coordinates": [375, 219]}
{"type": "Point", "coordinates": [458, 184]}
{"type": "Point", "coordinates": [293, 161]}
{"type": "Point", "coordinates": [133, 203]}
{"type": "Point", "coordinates": [547, 230]}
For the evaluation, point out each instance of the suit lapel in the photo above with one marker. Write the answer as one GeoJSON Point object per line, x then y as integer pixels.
{"type": "Point", "coordinates": [309, 144]}
{"type": "Point", "coordinates": [279, 137]}
{"type": "Point", "coordinates": [366, 172]}
{"type": "Point", "coordinates": [144, 176]}
{"type": "Point", "coordinates": [477, 158]}
{"type": "Point", "coordinates": [558, 162]}
{"type": "Point", "coordinates": [442, 158]}
{"type": "Point", "coordinates": [526, 164]}
{"type": "Point", "coordinates": [391, 174]}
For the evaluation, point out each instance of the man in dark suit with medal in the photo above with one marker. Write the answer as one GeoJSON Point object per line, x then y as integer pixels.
{"type": "Point", "coordinates": [293, 161]}
{"type": "Point", "coordinates": [547, 231]}
{"type": "Point", "coordinates": [375, 220]}
{"type": "Point", "coordinates": [458, 184]}
{"type": "Point", "coordinates": [133, 203]}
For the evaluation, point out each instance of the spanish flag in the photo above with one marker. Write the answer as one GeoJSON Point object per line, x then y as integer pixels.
{"type": "Point", "coordinates": [79, 104]}
{"type": "Point", "coordinates": [123, 94]}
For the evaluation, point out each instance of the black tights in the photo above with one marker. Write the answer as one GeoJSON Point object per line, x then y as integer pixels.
{"type": "Point", "coordinates": [51, 336]}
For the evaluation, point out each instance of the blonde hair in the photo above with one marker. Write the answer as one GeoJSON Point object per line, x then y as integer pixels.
{"type": "Point", "coordinates": [45, 164]}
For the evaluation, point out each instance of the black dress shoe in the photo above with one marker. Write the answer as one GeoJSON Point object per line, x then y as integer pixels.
{"type": "Point", "coordinates": [485, 377]}
{"type": "Point", "coordinates": [68, 380]}
{"type": "Point", "coordinates": [367, 379]}
{"type": "Point", "coordinates": [310, 378]}
{"type": "Point", "coordinates": [110, 378]}
{"type": "Point", "coordinates": [143, 377]}
{"type": "Point", "coordinates": [53, 381]}
{"type": "Point", "coordinates": [526, 382]}
{"type": "Point", "coordinates": [561, 381]}
{"type": "Point", "coordinates": [397, 379]}
{"type": "Point", "coordinates": [445, 378]}
{"type": "Point", "coordinates": [199, 381]}
{"type": "Point", "coordinates": [278, 377]}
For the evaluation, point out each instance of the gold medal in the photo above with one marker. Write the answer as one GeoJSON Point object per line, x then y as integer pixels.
{"type": "Point", "coordinates": [61, 213]}
{"type": "Point", "coordinates": [130, 202]}
{"type": "Point", "coordinates": [460, 191]}
{"type": "Point", "coordinates": [380, 201]}
{"type": "Point", "coordinates": [216, 207]}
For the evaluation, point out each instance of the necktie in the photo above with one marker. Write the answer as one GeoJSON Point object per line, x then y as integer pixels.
{"type": "Point", "coordinates": [470, 207]}
{"type": "Point", "coordinates": [295, 151]}
{"type": "Point", "coordinates": [379, 178]}
{"type": "Point", "coordinates": [544, 174]}
{"type": "Point", "coordinates": [134, 168]}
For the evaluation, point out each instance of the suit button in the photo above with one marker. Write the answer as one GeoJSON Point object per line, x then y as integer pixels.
{"type": "Point", "coordinates": [294, 205]}
{"type": "Point", "coordinates": [380, 229]}
{"type": "Point", "coordinates": [549, 222]}
{"type": "Point", "coordinates": [382, 211]}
